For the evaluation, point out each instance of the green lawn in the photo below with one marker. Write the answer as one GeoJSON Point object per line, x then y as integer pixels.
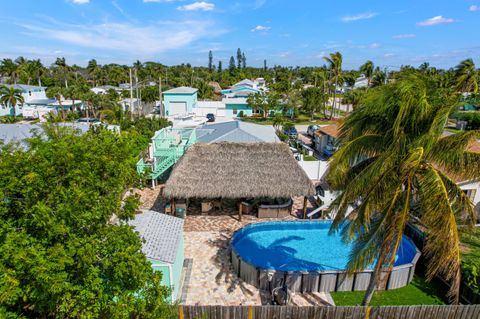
{"type": "Point", "coordinates": [418, 292]}
{"type": "Point", "coordinates": [309, 158]}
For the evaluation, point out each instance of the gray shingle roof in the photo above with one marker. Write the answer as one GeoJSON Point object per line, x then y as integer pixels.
{"type": "Point", "coordinates": [182, 89]}
{"type": "Point", "coordinates": [161, 233]}
{"type": "Point", "coordinates": [18, 132]}
{"type": "Point", "coordinates": [236, 131]}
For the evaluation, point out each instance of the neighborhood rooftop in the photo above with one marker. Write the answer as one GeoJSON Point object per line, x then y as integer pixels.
{"type": "Point", "coordinates": [161, 233]}
{"type": "Point", "coordinates": [238, 170]}
{"type": "Point", "coordinates": [182, 89]}
{"type": "Point", "coordinates": [236, 131]}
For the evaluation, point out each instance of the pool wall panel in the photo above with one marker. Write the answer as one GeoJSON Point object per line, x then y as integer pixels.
{"type": "Point", "coordinates": [310, 282]}
{"type": "Point", "coordinates": [278, 279]}
{"type": "Point", "coordinates": [294, 281]}
{"type": "Point", "coordinates": [328, 282]}
{"type": "Point", "coordinates": [263, 280]}
{"type": "Point", "coordinates": [399, 277]}
{"type": "Point", "coordinates": [235, 262]}
{"type": "Point", "coordinates": [344, 282]}
{"type": "Point", "coordinates": [362, 279]}
{"type": "Point", "coordinates": [249, 273]}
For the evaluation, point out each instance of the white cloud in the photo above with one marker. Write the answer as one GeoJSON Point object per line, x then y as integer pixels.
{"type": "Point", "coordinates": [375, 45]}
{"type": "Point", "coordinates": [135, 39]}
{"type": "Point", "coordinates": [405, 36]}
{"type": "Point", "coordinates": [204, 6]}
{"type": "Point", "coordinates": [474, 8]}
{"type": "Point", "coordinates": [259, 3]}
{"type": "Point", "coordinates": [80, 1]}
{"type": "Point", "coordinates": [361, 16]}
{"type": "Point", "coordinates": [435, 21]}
{"type": "Point", "coordinates": [260, 28]}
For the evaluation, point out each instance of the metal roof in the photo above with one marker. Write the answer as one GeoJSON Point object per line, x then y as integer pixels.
{"type": "Point", "coordinates": [181, 89]}
{"type": "Point", "coordinates": [236, 131]}
{"type": "Point", "coordinates": [25, 88]}
{"type": "Point", "coordinates": [18, 132]}
{"type": "Point", "coordinates": [161, 233]}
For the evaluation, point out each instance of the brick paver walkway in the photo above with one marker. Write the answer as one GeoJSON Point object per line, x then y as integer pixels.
{"type": "Point", "coordinates": [207, 242]}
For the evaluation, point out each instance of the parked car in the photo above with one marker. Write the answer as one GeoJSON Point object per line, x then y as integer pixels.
{"type": "Point", "coordinates": [291, 132]}
{"type": "Point", "coordinates": [312, 128]}
{"type": "Point", "coordinates": [210, 117]}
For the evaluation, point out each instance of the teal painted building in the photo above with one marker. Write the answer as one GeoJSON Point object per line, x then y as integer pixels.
{"type": "Point", "coordinates": [163, 246]}
{"type": "Point", "coordinates": [233, 106]}
{"type": "Point", "coordinates": [181, 100]}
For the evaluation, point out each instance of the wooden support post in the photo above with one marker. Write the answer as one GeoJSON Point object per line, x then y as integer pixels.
{"type": "Point", "coordinates": [240, 212]}
{"type": "Point", "coordinates": [305, 198]}
{"type": "Point", "coordinates": [174, 210]}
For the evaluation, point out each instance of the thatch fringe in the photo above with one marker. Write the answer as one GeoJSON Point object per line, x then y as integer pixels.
{"type": "Point", "coordinates": [238, 170]}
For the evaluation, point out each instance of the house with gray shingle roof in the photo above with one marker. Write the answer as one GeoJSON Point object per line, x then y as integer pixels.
{"type": "Point", "coordinates": [163, 246]}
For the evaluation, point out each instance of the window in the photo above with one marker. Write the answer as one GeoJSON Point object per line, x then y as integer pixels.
{"type": "Point", "coordinates": [235, 111]}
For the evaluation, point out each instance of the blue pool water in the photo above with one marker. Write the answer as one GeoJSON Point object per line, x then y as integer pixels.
{"type": "Point", "coordinates": [300, 246]}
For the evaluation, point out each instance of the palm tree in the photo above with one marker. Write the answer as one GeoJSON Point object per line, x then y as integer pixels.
{"type": "Point", "coordinates": [379, 77]}
{"type": "Point", "coordinates": [10, 69]}
{"type": "Point", "coordinates": [334, 61]}
{"type": "Point", "coordinates": [395, 163]}
{"type": "Point", "coordinates": [63, 66]}
{"type": "Point", "coordinates": [468, 77]}
{"type": "Point", "coordinates": [93, 70]}
{"type": "Point", "coordinates": [9, 96]}
{"type": "Point", "coordinates": [57, 93]}
{"type": "Point", "coordinates": [367, 70]}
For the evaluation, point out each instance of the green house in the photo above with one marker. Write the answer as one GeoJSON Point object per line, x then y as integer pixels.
{"type": "Point", "coordinates": [163, 246]}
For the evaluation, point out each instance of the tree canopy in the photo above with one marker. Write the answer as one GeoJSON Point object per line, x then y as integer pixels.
{"type": "Point", "coordinates": [60, 256]}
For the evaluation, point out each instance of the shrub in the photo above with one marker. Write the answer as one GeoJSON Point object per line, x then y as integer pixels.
{"type": "Point", "coordinates": [241, 114]}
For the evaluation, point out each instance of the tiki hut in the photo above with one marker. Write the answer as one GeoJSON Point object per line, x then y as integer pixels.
{"type": "Point", "coordinates": [238, 170]}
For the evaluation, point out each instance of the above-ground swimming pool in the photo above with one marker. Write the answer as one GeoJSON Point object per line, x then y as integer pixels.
{"type": "Point", "coordinates": [309, 259]}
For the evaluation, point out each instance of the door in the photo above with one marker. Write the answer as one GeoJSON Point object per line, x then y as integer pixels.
{"type": "Point", "coordinates": [178, 108]}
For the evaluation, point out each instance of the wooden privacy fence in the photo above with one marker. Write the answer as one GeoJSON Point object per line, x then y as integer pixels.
{"type": "Point", "coordinates": [291, 312]}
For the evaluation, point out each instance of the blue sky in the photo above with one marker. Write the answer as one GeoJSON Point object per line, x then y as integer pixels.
{"type": "Point", "coordinates": [285, 32]}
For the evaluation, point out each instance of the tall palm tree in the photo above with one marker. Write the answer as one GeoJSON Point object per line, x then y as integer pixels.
{"type": "Point", "coordinates": [367, 70]}
{"type": "Point", "coordinates": [10, 97]}
{"type": "Point", "coordinates": [468, 77]}
{"type": "Point", "coordinates": [93, 70]}
{"type": "Point", "coordinates": [9, 68]}
{"type": "Point", "coordinates": [335, 61]}
{"type": "Point", "coordinates": [394, 163]}
{"type": "Point", "coordinates": [64, 67]}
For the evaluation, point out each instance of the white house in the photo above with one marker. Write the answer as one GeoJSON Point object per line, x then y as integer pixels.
{"type": "Point", "coordinates": [32, 96]}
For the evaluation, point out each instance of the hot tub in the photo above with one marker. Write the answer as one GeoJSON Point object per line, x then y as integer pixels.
{"type": "Point", "coordinates": [309, 259]}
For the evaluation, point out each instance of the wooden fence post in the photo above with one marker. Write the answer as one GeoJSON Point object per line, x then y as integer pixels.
{"type": "Point", "coordinates": [180, 312]}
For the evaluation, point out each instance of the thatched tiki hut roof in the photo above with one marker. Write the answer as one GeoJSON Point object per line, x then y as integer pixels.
{"type": "Point", "coordinates": [238, 170]}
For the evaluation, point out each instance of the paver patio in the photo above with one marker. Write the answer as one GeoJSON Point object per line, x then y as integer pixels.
{"type": "Point", "coordinates": [207, 242]}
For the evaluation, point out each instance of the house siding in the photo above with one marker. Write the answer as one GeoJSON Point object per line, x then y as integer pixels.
{"type": "Point", "coordinates": [229, 110]}
{"type": "Point", "coordinates": [189, 98]}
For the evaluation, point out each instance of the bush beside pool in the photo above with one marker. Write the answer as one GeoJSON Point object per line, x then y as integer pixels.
{"type": "Point", "coordinates": [283, 251]}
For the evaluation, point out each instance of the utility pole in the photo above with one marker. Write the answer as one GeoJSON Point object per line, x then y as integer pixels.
{"type": "Point", "coordinates": [131, 95]}
{"type": "Point", "coordinates": [160, 95]}
{"type": "Point", "coordinates": [191, 82]}
{"type": "Point", "coordinates": [136, 87]}
{"type": "Point", "coordinates": [386, 75]}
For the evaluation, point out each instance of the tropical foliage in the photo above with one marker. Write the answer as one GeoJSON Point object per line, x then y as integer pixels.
{"type": "Point", "coordinates": [395, 162]}
{"type": "Point", "coordinates": [60, 255]}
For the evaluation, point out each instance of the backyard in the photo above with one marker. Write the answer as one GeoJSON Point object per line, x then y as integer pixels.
{"type": "Point", "coordinates": [418, 292]}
